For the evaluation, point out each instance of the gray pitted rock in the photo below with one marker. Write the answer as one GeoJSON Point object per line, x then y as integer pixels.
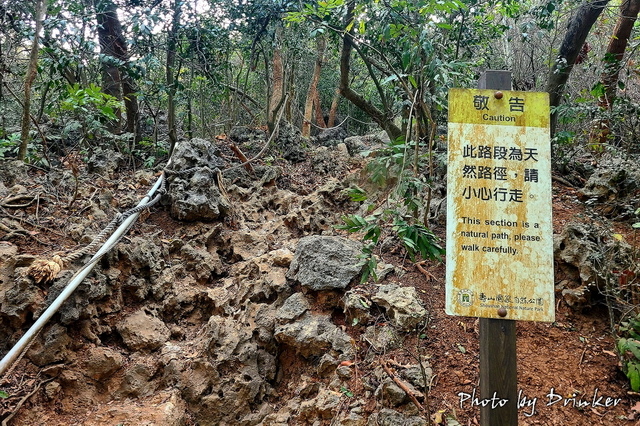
{"type": "Point", "coordinates": [576, 246]}
{"type": "Point", "coordinates": [145, 256]}
{"type": "Point", "coordinates": [382, 339]}
{"type": "Point", "coordinates": [353, 418]}
{"type": "Point", "coordinates": [290, 143]}
{"type": "Point", "coordinates": [292, 308]}
{"type": "Point", "coordinates": [356, 307]}
{"type": "Point", "coordinates": [326, 161]}
{"type": "Point", "coordinates": [20, 298]}
{"type": "Point", "coordinates": [197, 197]}
{"type": "Point", "coordinates": [388, 417]}
{"type": "Point", "coordinates": [313, 335]}
{"type": "Point", "coordinates": [390, 393]}
{"type": "Point", "coordinates": [195, 153]}
{"type": "Point", "coordinates": [262, 175]}
{"type": "Point", "coordinates": [326, 365]}
{"type": "Point", "coordinates": [141, 331]}
{"type": "Point", "coordinates": [578, 252]}
{"type": "Point", "coordinates": [136, 380]}
{"type": "Point", "coordinates": [105, 161]}
{"type": "Point", "coordinates": [323, 406]}
{"type": "Point", "coordinates": [418, 376]}
{"type": "Point", "coordinates": [10, 289]}
{"type": "Point", "coordinates": [80, 304]}
{"type": "Point", "coordinates": [358, 144]}
{"type": "Point", "coordinates": [331, 137]}
{"type": "Point", "coordinates": [611, 181]}
{"type": "Point", "coordinates": [402, 304]}
{"type": "Point", "coordinates": [200, 262]}
{"type": "Point", "coordinates": [249, 244]}
{"type": "Point", "coordinates": [53, 347]}
{"type": "Point", "coordinates": [325, 262]}
{"type": "Point", "coordinates": [245, 134]}
{"type": "Point", "coordinates": [13, 172]}
{"type": "Point", "coordinates": [194, 183]}
{"type": "Point", "coordinates": [229, 383]}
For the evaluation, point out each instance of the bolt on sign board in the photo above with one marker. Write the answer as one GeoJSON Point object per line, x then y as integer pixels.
{"type": "Point", "coordinates": [499, 230]}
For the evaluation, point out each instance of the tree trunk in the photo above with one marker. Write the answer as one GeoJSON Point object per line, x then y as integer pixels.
{"type": "Point", "coordinates": [577, 30]}
{"type": "Point", "coordinates": [289, 90]}
{"type": "Point", "coordinates": [317, 107]}
{"type": "Point", "coordinates": [333, 111]}
{"type": "Point", "coordinates": [110, 36]}
{"type": "Point", "coordinates": [115, 78]}
{"type": "Point", "coordinates": [172, 43]}
{"type": "Point", "coordinates": [612, 63]}
{"type": "Point", "coordinates": [277, 82]}
{"type": "Point", "coordinates": [190, 109]}
{"type": "Point", "coordinates": [615, 51]}
{"type": "Point", "coordinates": [312, 93]}
{"type": "Point", "coordinates": [32, 71]}
{"type": "Point", "coordinates": [129, 90]}
{"type": "Point", "coordinates": [380, 117]}
{"type": "Point", "coordinates": [3, 126]}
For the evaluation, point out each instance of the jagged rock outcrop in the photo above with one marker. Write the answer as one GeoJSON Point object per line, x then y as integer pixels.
{"type": "Point", "coordinates": [314, 335]}
{"type": "Point", "coordinates": [202, 321]}
{"type": "Point", "coordinates": [105, 161]}
{"type": "Point", "coordinates": [401, 304]}
{"type": "Point", "coordinates": [196, 190]}
{"type": "Point", "coordinates": [357, 307]}
{"type": "Point", "coordinates": [331, 137]}
{"type": "Point", "coordinates": [13, 172]}
{"type": "Point", "coordinates": [141, 331]}
{"type": "Point", "coordinates": [290, 143]}
{"type": "Point", "coordinates": [325, 262]}
{"type": "Point", "coordinates": [585, 255]}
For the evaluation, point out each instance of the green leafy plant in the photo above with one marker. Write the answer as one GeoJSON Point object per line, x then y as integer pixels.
{"type": "Point", "coordinates": [371, 230]}
{"type": "Point", "coordinates": [91, 108]}
{"type": "Point", "coordinates": [9, 145]}
{"type": "Point", "coordinates": [346, 392]}
{"type": "Point", "coordinates": [415, 238]}
{"type": "Point", "coordinates": [397, 209]}
{"type": "Point", "coordinates": [90, 100]}
{"type": "Point", "coordinates": [3, 394]}
{"type": "Point", "coordinates": [9, 149]}
{"type": "Point", "coordinates": [151, 152]}
{"type": "Point", "coordinates": [628, 346]}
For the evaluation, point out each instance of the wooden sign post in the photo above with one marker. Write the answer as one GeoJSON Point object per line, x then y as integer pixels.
{"type": "Point", "coordinates": [499, 230]}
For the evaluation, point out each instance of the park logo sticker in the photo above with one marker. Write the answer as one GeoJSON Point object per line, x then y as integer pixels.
{"type": "Point", "coordinates": [465, 297]}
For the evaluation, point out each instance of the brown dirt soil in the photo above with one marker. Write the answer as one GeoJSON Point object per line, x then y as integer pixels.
{"type": "Point", "coordinates": [569, 367]}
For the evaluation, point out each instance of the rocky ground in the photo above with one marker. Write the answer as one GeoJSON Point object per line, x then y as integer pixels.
{"type": "Point", "coordinates": [236, 301]}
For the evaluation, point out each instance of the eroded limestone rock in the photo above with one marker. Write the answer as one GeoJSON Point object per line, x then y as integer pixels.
{"type": "Point", "coordinates": [325, 262]}
{"type": "Point", "coordinates": [402, 305]}
{"type": "Point", "coordinates": [296, 305]}
{"type": "Point", "coordinates": [583, 253]}
{"type": "Point", "coordinates": [141, 331]}
{"type": "Point", "coordinates": [195, 181]}
{"type": "Point", "coordinates": [100, 362]}
{"type": "Point", "coordinates": [313, 335]}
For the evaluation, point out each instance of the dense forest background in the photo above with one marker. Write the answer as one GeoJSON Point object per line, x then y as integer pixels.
{"type": "Point", "coordinates": [139, 75]}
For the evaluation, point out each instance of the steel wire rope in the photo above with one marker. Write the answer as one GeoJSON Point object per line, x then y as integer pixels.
{"type": "Point", "coordinates": [120, 217]}
{"type": "Point", "coordinates": [17, 351]}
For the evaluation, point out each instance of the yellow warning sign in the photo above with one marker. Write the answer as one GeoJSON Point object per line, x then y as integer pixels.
{"type": "Point", "coordinates": [499, 230]}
